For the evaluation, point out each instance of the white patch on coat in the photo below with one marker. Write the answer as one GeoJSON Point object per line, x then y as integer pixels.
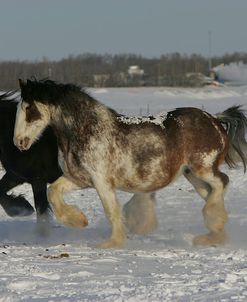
{"type": "Point", "coordinates": [179, 121]}
{"type": "Point", "coordinates": [209, 158]}
{"type": "Point", "coordinates": [222, 138]}
{"type": "Point", "coordinates": [207, 114]}
{"type": "Point", "coordinates": [157, 119]}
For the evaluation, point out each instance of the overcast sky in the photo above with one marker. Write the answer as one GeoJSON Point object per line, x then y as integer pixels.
{"type": "Point", "coordinates": [33, 29]}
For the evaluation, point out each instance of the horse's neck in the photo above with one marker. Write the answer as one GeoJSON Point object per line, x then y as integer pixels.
{"type": "Point", "coordinates": [80, 120]}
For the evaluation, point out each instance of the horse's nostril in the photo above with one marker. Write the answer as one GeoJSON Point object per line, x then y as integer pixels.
{"type": "Point", "coordinates": [26, 141]}
{"type": "Point", "coordinates": [22, 143]}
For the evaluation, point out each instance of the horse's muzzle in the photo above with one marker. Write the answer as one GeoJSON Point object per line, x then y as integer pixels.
{"type": "Point", "coordinates": [22, 143]}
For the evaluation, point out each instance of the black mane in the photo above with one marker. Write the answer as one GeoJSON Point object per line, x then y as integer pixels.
{"type": "Point", "coordinates": [51, 92]}
{"type": "Point", "coordinates": [48, 91]}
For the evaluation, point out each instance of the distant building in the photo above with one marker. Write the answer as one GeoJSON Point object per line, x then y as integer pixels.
{"type": "Point", "coordinates": [135, 70]}
{"type": "Point", "coordinates": [136, 76]}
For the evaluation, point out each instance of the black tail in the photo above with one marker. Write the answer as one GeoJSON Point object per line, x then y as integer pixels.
{"type": "Point", "coordinates": [235, 121]}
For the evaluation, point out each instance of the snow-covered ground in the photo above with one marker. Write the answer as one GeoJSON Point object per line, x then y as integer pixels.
{"type": "Point", "coordinates": [163, 266]}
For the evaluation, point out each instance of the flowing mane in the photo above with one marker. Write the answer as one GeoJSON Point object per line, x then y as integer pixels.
{"type": "Point", "coordinates": [66, 96]}
{"type": "Point", "coordinates": [50, 92]}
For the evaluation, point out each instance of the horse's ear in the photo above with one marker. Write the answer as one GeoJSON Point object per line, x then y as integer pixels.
{"type": "Point", "coordinates": [21, 83]}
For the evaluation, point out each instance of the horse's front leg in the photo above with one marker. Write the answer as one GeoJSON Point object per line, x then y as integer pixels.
{"type": "Point", "coordinates": [40, 198]}
{"type": "Point", "coordinates": [69, 215]}
{"type": "Point", "coordinates": [113, 213]}
{"type": "Point", "coordinates": [13, 205]}
{"type": "Point", "coordinates": [43, 210]}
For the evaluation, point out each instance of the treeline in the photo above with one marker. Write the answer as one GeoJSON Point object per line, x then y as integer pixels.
{"type": "Point", "coordinates": [91, 70]}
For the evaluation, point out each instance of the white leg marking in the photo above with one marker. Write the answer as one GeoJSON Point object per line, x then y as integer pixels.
{"type": "Point", "coordinates": [215, 215]}
{"type": "Point", "coordinates": [113, 213]}
{"type": "Point", "coordinates": [69, 215]}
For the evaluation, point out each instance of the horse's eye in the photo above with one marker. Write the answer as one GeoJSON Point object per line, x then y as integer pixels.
{"type": "Point", "coordinates": [32, 113]}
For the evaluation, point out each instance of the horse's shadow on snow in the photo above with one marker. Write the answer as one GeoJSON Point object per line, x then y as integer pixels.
{"type": "Point", "coordinates": [25, 231]}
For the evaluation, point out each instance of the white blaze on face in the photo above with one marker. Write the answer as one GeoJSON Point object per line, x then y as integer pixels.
{"type": "Point", "coordinates": [25, 133]}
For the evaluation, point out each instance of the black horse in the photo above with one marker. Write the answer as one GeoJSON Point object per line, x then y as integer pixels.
{"type": "Point", "coordinates": [37, 166]}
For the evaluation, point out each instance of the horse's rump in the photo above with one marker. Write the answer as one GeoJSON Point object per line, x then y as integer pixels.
{"type": "Point", "coordinates": [147, 156]}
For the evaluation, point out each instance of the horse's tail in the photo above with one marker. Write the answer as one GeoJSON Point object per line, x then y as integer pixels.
{"type": "Point", "coordinates": [235, 122]}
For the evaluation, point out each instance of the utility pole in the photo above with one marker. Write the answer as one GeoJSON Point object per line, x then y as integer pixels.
{"type": "Point", "coordinates": [209, 50]}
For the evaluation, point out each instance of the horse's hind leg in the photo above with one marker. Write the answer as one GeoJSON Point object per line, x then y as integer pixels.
{"type": "Point", "coordinates": [69, 215]}
{"type": "Point", "coordinates": [201, 187]}
{"type": "Point", "coordinates": [139, 213]}
{"type": "Point", "coordinates": [215, 215]}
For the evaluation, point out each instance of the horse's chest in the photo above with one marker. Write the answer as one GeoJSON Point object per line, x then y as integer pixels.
{"type": "Point", "coordinates": [75, 168]}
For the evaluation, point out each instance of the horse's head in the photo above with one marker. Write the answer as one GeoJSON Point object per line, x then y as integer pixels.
{"type": "Point", "coordinates": [32, 117]}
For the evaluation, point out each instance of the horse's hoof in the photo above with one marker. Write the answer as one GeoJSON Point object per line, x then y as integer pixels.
{"type": "Point", "coordinates": [111, 243]}
{"type": "Point", "coordinates": [83, 221]}
{"type": "Point", "coordinates": [43, 226]}
{"type": "Point", "coordinates": [16, 206]}
{"type": "Point", "coordinates": [141, 229]}
{"type": "Point", "coordinates": [78, 221]}
{"type": "Point", "coordinates": [72, 217]}
{"type": "Point", "coordinates": [43, 230]}
{"type": "Point", "coordinates": [210, 239]}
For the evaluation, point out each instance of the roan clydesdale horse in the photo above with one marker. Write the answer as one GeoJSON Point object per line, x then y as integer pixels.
{"type": "Point", "coordinates": [108, 151]}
